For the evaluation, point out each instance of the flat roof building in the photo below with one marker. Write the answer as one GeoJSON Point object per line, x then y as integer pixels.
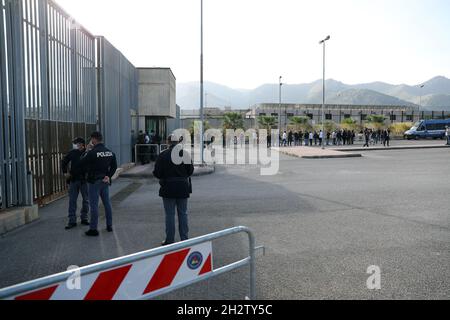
{"type": "Point", "coordinates": [156, 99]}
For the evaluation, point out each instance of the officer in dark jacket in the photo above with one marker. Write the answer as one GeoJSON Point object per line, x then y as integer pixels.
{"type": "Point", "coordinates": [174, 168]}
{"type": "Point", "coordinates": [76, 178]}
{"type": "Point", "coordinates": [101, 166]}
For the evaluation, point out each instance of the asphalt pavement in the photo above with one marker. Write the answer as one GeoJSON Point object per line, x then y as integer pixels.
{"type": "Point", "coordinates": [323, 223]}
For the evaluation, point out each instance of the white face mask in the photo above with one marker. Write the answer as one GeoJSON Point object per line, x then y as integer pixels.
{"type": "Point", "coordinates": [75, 147]}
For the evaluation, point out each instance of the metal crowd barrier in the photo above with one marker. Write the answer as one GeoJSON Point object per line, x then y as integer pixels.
{"type": "Point", "coordinates": [163, 147]}
{"type": "Point", "coordinates": [53, 287]}
{"type": "Point", "coordinates": [141, 156]}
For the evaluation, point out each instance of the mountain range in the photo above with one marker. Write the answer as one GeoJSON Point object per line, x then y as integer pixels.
{"type": "Point", "coordinates": [434, 95]}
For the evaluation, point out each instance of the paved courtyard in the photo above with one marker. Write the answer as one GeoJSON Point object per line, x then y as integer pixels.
{"type": "Point", "coordinates": [323, 223]}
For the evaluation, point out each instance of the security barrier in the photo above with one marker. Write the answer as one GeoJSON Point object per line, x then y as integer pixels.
{"type": "Point", "coordinates": [145, 153]}
{"type": "Point", "coordinates": [143, 275]}
{"type": "Point", "coordinates": [163, 148]}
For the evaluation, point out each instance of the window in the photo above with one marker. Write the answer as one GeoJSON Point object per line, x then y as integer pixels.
{"type": "Point", "coordinates": [363, 117]}
{"type": "Point", "coordinates": [436, 126]}
{"type": "Point", "coordinates": [393, 117]}
{"type": "Point", "coordinates": [347, 116]}
{"type": "Point", "coordinates": [262, 114]}
{"type": "Point", "coordinates": [409, 117]}
{"type": "Point", "coordinates": [329, 116]}
{"type": "Point", "coordinates": [290, 115]}
{"type": "Point", "coordinates": [310, 115]}
{"type": "Point", "coordinates": [274, 114]}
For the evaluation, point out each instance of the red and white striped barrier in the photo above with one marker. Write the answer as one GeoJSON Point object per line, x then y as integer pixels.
{"type": "Point", "coordinates": [132, 281]}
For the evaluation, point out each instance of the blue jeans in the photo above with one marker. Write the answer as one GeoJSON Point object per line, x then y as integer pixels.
{"type": "Point", "coordinates": [96, 190]}
{"type": "Point", "coordinates": [169, 206]}
{"type": "Point", "coordinates": [75, 188]}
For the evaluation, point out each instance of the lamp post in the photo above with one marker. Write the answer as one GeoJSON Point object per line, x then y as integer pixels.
{"type": "Point", "coordinates": [201, 84]}
{"type": "Point", "coordinates": [420, 101]}
{"type": "Point", "coordinates": [323, 93]}
{"type": "Point", "coordinates": [279, 110]}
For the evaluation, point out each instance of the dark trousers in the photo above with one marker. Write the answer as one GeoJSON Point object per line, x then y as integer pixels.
{"type": "Point", "coordinates": [180, 205]}
{"type": "Point", "coordinates": [367, 143]}
{"type": "Point", "coordinates": [75, 188]}
{"type": "Point", "coordinates": [97, 190]}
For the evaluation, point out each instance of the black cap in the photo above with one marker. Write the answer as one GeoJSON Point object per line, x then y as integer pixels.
{"type": "Point", "coordinates": [79, 140]}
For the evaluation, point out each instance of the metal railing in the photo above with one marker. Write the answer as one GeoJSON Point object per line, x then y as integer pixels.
{"type": "Point", "coordinates": [153, 150]}
{"type": "Point", "coordinates": [118, 262]}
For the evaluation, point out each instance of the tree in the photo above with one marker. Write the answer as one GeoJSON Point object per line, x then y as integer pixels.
{"type": "Point", "coordinates": [376, 121]}
{"type": "Point", "coordinates": [398, 129]}
{"type": "Point", "coordinates": [330, 126]}
{"type": "Point", "coordinates": [349, 124]}
{"type": "Point", "coordinates": [267, 122]}
{"type": "Point", "coordinates": [233, 120]}
{"type": "Point", "coordinates": [300, 123]}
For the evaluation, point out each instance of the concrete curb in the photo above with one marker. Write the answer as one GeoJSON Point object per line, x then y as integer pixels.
{"type": "Point", "coordinates": [17, 217]}
{"type": "Point", "coordinates": [198, 171]}
{"type": "Point", "coordinates": [355, 155]}
{"type": "Point", "coordinates": [203, 170]}
{"type": "Point", "coordinates": [394, 148]}
{"type": "Point", "coordinates": [122, 170]}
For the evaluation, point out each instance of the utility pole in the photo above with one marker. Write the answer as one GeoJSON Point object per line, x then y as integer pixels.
{"type": "Point", "coordinates": [201, 85]}
{"type": "Point", "coordinates": [279, 111]}
{"type": "Point", "coordinates": [323, 92]}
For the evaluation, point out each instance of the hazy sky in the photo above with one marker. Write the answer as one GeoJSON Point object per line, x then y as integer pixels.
{"type": "Point", "coordinates": [252, 42]}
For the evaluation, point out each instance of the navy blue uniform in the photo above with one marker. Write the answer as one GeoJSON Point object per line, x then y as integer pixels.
{"type": "Point", "coordinates": [77, 172]}
{"type": "Point", "coordinates": [100, 162]}
{"type": "Point", "coordinates": [77, 184]}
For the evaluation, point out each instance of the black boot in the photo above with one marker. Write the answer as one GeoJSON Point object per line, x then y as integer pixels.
{"type": "Point", "coordinates": [85, 223]}
{"type": "Point", "coordinates": [92, 233]}
{"type": "Point", "coordinates": [71, 226]}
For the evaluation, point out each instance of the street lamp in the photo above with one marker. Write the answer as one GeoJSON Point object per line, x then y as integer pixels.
{"type": "Point", "coordinates": [420, 102]}
{"type": "Point", "coordinates": [323, 93]}
{"type": "Point", "coordinates": [279, 110]}
{"type": "Point", "coordinates": [201, 84]}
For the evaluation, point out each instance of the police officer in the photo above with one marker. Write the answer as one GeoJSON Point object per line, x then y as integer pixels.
{"type": "Point", "coordinates": [76, 180]}
{"type": "Point", "coordinates": [101, 166]}
{"type": "Point", "coordinates": [175, 187]}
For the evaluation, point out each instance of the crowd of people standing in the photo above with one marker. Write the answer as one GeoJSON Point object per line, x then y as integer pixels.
{"type": "Point", "coordinates": [341, 137]}
{"type": "Point", "coordinates": [317, 138]}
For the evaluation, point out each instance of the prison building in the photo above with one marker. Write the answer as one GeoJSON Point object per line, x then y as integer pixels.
{"type": "Point", "coordinates": [337, 113]}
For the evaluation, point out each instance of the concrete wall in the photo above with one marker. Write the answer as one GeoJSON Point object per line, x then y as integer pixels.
{"type": "Point", "coordinates": [157, 92]}
{"type": "Point", "coordinates": [174, 124]}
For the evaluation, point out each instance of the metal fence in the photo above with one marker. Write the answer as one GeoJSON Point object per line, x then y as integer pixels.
{"type": "Point", "coordinates": [60, 91]}
{"type": "Point", "coordinates": [57, 82]}
{"type": "Point", "coordinates": [117, 98]}
{"type": "Point", "coordinates": [12, 151]}
{"type": "Point", "coordinates": [48, 96]}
